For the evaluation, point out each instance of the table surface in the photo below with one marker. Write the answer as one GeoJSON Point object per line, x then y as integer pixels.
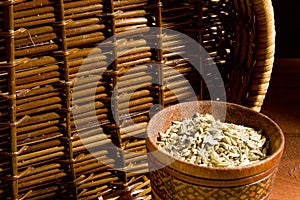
{"type": "Point", "coordinates": [282, 104]}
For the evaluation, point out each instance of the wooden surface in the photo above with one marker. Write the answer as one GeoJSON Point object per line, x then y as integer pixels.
{"type": "Point", "coordinates": [283, 106]}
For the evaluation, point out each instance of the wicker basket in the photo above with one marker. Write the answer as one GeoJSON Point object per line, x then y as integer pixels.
{"type": "Point", "coordinates": [47, 46]}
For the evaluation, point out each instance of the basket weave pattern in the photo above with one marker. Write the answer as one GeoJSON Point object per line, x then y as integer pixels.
{"type": "Point", "coordinates": [48, 46]}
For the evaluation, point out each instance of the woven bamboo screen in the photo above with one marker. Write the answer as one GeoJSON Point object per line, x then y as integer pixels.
{"type": "Point", "coordinates": [49, 46]}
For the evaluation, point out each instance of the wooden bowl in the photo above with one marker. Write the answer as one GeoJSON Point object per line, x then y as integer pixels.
{"type": "Point", "coordinates": [175, 179]}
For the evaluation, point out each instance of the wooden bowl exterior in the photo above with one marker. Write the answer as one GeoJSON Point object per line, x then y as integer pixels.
{"type": "Point", "coordinates": [174, 179]}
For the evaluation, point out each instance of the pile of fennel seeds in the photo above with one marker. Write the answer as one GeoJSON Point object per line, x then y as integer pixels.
{"type": "Point", "coordinates": [204, 141]}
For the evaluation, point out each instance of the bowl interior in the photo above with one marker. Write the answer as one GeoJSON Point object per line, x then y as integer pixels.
{"type": "Point", "coordinates": [227, 112]}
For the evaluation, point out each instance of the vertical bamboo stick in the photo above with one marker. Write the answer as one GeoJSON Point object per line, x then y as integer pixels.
{"type": "Point", "coordinates": [10, 56]}
{"type": "Point", "coordinates": [66, 110]}
{"type": "Point", "coordinates": [200, 41]}
{"type": "Point", "coordinates": [116, 137]}
{"type": "Point", "coordinates": [159, 53]}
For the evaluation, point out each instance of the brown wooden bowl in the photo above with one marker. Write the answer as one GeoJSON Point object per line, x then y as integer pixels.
{"type": "Point", "coordinates": [175, 179]}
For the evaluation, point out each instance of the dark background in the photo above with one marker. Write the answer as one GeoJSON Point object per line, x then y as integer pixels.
{"type": "Point", "coordinates": [287, 22]}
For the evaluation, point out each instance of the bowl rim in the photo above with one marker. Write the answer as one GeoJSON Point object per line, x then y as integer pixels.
{"type": "Point", "coordinates": [275, 156]}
